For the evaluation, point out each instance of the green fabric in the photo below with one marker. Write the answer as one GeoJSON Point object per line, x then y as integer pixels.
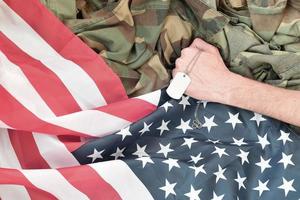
{"type": "Point", "coordinates": [141, 39]}
{"type": "Point", "coordinates": [63, 9]}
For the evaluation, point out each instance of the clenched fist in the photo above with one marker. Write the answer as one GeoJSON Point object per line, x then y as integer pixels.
{"type": "Point", "coordinates": [210, 78]}
{"type": "Point", "coordinates": [212, 81]}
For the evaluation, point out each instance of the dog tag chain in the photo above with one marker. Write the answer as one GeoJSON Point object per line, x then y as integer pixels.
{"type": "Point", "coordinates": [181, 81]}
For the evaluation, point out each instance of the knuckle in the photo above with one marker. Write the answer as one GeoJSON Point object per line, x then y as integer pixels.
{"type": "Point", "coordinates": [205, 56]}
{"type": "Point", "coordinates": [215, 49]}
{"type": "Point", "coordinates": [184, 51]}
{"type": "Point", "coordinates": [194, 51]}
{"type": "Point", "coordinates": [197, 40]}
{"type": "Point", "coordinates": [178, 61]}
{"type": "Point", "coordinates": [179, 64]}
{"type": "Point", "coordinates": [187, 51]}
{"type": "Point", "coordinates": [174, 72]}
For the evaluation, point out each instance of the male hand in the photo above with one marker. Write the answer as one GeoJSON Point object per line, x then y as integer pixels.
{"type": "Point", "coordinates": [212, 81]}
{"type": "Point", "coordinates": [210, 78]}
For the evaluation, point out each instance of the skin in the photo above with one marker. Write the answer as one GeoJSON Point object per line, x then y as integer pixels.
{"type": "Point", "coordinates": [212, 81]}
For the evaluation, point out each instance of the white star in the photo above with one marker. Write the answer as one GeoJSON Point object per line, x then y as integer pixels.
{"type": "Point", "coordinates": [146, 128]}
{"type": "Point", "coordinates": [214, 141]}
{"type": "Point", "coordinates": [145, 160]}
{"type": "Point", "coordinates": [193, 194]}
{"type": "Point", "coordinates": [262, 187]}
{"type": "Point", "coordinates": [216, 197]}
{"type": "Point", "coordinates": [263, 164]}
{"type": "Point", "coordinates": [140, 151]}
{"type": "Point", "coordinates": [197, 158]}
{"type": "Point", "coordinates": [184, 126]}
{"type": "Point", "coordinates": [220, 174]}
{"type": "Point", "coordinates": [168, 188]}
{"type": "Point", "coordinates": [199, 169]}
{"type": "Point", "coordinates": [244, 156]}
{"type": "Point", "coordinates": [188, 142]}
{"type": "Point", "coordinates": [220, 152]}
{"type": "Point", "coordinates": [165, 149]}
{"type": "Point", "coordinates": [184, 101]}
{"type": "Point", "coordinates": [286, 160]}
{"type": "Point", "coordinates": [238, 142]}
{"type": "Point", "coordinates": [166, 106]}
{"type": "Point", "coordinates": [124, 132]}
{"type": "Point", "coordinates": [118, 153]}
{"type": "Point", "coordinates": [204, 103]}
{"type": "Point", "coordinates": [258, 118]}
{"type": "Point", "coordinates": [163, 127]}
{"type": "Point", "coordinates": [263, 141]}
{"type": "Point", "coordinates": [240, 180]}
{"type": "Point", "coordinates": [209, 122]}
{"type": "Point", "coordinates": [284, 137]}
{"type": "Point", "coordinates": [95, 155]}
{"type": "Point", "coordinates": [233, 119]}
{"type": "Point", "coordinates": [287, 186]}
{"type": "Point", "coordinates": [172, 163]}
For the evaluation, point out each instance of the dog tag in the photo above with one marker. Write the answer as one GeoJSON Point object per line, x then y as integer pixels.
{"type": "Point", "coordinates": [178, 85]}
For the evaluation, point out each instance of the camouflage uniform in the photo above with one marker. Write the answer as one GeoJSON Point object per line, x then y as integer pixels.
{"type": "Point", "coordinates": [141, 39]}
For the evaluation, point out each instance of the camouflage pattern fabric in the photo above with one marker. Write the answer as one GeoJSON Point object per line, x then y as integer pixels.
{"type": "Point", "coordinates": [141, 39]}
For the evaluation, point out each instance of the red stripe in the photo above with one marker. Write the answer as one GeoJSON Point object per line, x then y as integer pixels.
{"type": "Point", "coordinates": [26, 150]}
{"type": "Point", "coordinates": [45, 82]}
{"type": "Point", "coordinates": [80, 54]}
{"type": "Point", "coordinates": [17, 116]}
{"type": "Point", "coordinates": [86, 180]}
{"type": "Point", "coordinates": [72, 143]}
{"type": "Point", "coordinates": [73, 49]}
{"type": "Point", "coordinates": [69, 46]}
{"type": "Point", "coordinates": [37, 194]}
{"type": "Point", "coordinates": [55, 95]}
{"type": "Point", "coordinates": [13, 176]}
{"type": "Point", "coordinates": [131, 110]}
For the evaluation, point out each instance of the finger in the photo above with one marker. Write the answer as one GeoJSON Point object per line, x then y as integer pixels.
{"type": "Point", "coordinates": [180, 64]}
{"type": "Point", "coordinates": [204, 46]}
{"type": "Point", "coordinates": [174, 72]}
{"type": "Point", "coordinates": [184, 52]}
{"type": "Point", "coordinates": [189, 52]}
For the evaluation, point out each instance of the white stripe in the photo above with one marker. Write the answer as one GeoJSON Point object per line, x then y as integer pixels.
{"type": "Point", "coordinates": [91, 122]}
{"type": "Point", "coordinates": [122, 179]}
{"type": "Point", "coordinates": [53, 182]}
{"type": "Point", "coordinates": [152, 97]}
{"type": "Point", "coordinates": [13, 192]}
{"type": "Point", "coordinates": [8, 159]}
{"type": "Point", "coordinates": [54, 151]}
{"type": "Point", "coordinates": [81, 86]}
{"type": "Point", "coordinates": [15, 82]}
{"type": "Point", "coordinates": [3, 125]}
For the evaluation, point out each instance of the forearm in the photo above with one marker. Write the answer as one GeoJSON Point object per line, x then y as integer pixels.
{"type": "Point", "coordinates": [281, 104]}
{"type": "Point", "coordinates": [211, 80]}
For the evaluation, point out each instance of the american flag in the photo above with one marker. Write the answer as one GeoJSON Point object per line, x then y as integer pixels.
{"type": "Point", "coordinates": [231, 154]}
{"type": "Point", "coordinates": [68, 130]}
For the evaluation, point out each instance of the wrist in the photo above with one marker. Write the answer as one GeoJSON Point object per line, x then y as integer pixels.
{"type": "Point", "coordinates": [234, 86]}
